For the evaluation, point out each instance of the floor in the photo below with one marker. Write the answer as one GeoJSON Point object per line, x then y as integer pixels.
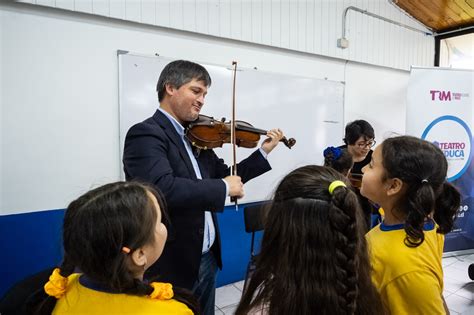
{"type": "Point", "coordinates": [458, 289]}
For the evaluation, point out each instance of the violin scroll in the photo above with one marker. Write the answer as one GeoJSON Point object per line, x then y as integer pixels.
{"type": "Point", "coordinates": [288, 142]}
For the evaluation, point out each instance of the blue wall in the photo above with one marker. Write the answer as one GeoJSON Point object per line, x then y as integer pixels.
{"type": "Point", "coordinates": [31, 242]}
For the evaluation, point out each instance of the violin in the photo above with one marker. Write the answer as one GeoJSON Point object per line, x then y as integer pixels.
{"type": "Point", "coordinates": [355, 179]}
{"type": "Point", "coordinates": [209, 133]}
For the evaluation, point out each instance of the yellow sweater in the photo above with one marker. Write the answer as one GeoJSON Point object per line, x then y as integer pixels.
{"type": "Point", "coordinates": [81, 300]}
{"type": "Point", "coordinates": [409, 279]}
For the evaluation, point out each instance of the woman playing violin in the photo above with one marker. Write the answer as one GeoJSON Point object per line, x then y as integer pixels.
{"type": "Point", "coordinates": [359, 138]}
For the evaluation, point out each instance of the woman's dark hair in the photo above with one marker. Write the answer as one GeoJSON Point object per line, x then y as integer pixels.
{"type": "Point", "coordinates": [338, 159]}
{"type": "Point", "coordinates": [97, 226]}
{"type": "Point", "coordinates": [180, 72]}
{"type": "Point", "coordinates": [422, 167]}
{"type": "Point", "coordinates": [357, 129]}
{"type": "Point", "coordinates": [313, 257]}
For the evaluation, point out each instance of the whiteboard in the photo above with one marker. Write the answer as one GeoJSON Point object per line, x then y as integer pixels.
{"type": "Point", "coordinates": [307, 109]}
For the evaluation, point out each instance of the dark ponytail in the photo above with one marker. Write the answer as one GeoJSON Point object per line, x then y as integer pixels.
{"type": "Point", "coordinates": [40, 303]}
{"type": "Point", "coordinates": [421, 202]}
{"type": "Point", "coordinates": [446, 208]}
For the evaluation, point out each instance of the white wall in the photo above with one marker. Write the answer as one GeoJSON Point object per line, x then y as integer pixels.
{"type": "Point", "coordinates": [311, 26]}
{"type": "Point", "coordinates": [59, 76]}
{"type": "Point", "coordinates": [377, 95]}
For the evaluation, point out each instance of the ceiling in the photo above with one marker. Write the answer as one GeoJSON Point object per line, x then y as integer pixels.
{"type": "Point", "coordinates": [440, 15]}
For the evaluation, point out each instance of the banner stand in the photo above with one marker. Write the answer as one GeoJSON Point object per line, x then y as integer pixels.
{"type": "Point", "coordinates": [440, 110]}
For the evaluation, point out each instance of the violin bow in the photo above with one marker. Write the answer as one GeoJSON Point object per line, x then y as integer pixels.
{"type": "Point", "coordinates": [233, 168]}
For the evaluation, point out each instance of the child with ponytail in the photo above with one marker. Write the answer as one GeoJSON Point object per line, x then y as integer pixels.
{"type": "Point", "coordinates": [313, 258]}
{"type": "Point", "coordinates": [112, 234]}
{"type": "Point", "coordinates": [407, 178]}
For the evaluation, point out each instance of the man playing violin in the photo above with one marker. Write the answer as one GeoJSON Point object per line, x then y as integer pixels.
{"type": "Point", "coordinates": [195, 186]}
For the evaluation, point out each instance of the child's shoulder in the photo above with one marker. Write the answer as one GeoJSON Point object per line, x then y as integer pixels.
{"type": "Point", "coordinates": [81, 298]}
{"type": "Point", "coordinates": [390, 253]}
{"type": "Point", "coordinates": [386, 233]}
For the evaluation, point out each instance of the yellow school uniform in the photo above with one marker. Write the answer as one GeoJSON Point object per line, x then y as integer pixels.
{"type": "Point", "coordinates": [409, 279]}
{"type": "Point", "coordinates": [79, 299]}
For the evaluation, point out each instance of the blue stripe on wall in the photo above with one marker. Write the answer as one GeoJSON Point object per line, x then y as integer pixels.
{"type": "Point", "coordinates": [31, 242]}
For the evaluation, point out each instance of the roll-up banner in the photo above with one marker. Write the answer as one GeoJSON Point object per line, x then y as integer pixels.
{"type": "Point", "coordinates": [440, 110]}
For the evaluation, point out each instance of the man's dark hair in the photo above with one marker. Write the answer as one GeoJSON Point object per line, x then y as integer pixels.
{"type": "Point", "coordinates": [180, 72]}
{"type": "Point", "coordinates": [357, 129]}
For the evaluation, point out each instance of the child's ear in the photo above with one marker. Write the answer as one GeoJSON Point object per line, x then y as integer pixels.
{"type": "Point", "coordinates": [395, 185]}
{"type": "Point", "coordinates": [138, 257]}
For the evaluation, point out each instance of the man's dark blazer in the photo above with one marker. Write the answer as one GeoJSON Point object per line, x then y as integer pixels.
{"type": "Point", "coordinates": [155, 153]}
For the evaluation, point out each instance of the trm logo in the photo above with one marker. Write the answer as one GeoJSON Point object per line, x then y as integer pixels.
{"type": "Point", "coordinates": [441, 95]}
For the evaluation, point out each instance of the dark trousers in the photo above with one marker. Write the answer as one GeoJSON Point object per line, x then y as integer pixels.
{"type": "Point", "coordinates": [205, 286]}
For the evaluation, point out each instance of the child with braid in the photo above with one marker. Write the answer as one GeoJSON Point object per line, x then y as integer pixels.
{"type": "Point", "coordinates": [112, 234]}
{"type": "Point", "coordinates": [407, 177]}
{"type": "Point", "coordinates": [313, 258]}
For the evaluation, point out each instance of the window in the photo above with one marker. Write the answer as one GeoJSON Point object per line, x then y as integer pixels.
{"type": "Point", "coordinates": [455, 51]}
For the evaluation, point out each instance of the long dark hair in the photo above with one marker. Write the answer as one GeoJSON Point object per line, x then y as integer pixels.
{"type": "Point", "coordinates": [422, 167]}
{"type": "Point", "coordinates": [96, 227]}
{"type": "Point", "coordinates": [313, 258]}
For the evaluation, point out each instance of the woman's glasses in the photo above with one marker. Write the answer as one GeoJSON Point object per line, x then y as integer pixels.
{"type": "Point", "coordinates": [363, 145]}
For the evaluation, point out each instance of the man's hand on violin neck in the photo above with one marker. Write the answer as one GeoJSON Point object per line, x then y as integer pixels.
{"type": "Point", "coordinates": [274, 137]}
{"type": "Point", "coordinates": [236, 187]}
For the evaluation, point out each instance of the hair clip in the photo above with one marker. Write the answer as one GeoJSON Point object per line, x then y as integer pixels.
{"type": "Point", "coordinates": [57, 284]}
{"type": "Point", "coordinates": [126, 250]}
{"type": "Point", "coordinates": [336, 152]}
{"type": "Point", "coordinates": [161, 291]}
{"type": "Point", "coordinates": [424, 181]}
